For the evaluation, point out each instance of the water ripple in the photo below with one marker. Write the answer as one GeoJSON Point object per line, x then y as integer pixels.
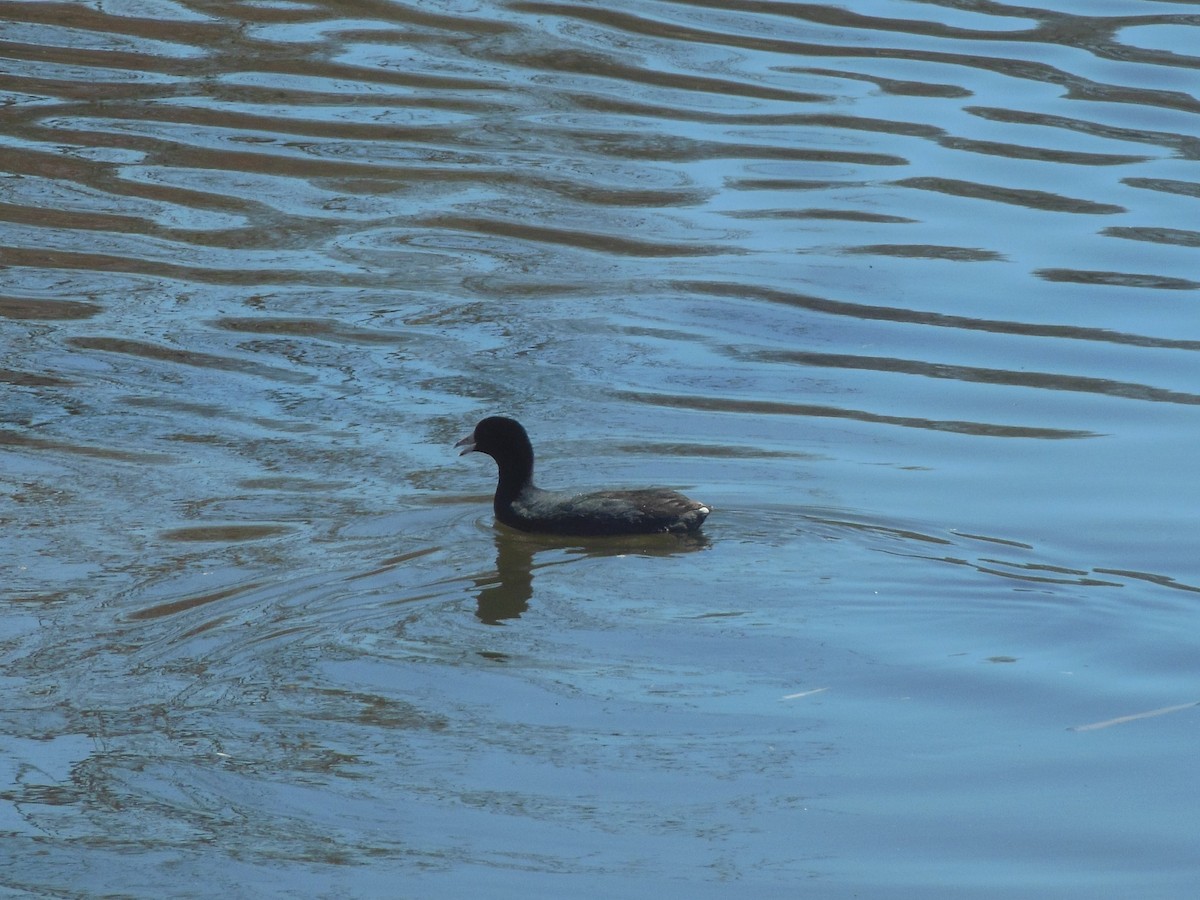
{"type": "Point", "coordinates": [865, 278]}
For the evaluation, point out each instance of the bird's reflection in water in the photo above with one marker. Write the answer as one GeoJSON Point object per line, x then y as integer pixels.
{"type": "Point", "coordinates": [506, 593]}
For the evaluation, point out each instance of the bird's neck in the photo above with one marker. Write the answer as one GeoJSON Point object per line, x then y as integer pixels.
{"type": "Point", "coordinates": [516, 474]}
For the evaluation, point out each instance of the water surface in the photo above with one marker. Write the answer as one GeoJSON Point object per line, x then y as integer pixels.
{"type": "Point", "coordinates": [906, 291]}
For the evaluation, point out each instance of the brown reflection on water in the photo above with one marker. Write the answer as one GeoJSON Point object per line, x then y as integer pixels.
{"type": "Point", "coordinates": [1032, 199]}
{"type": "Point", "coordinates": [927, 251]}
{"type": "Point", "coordinates": [780, 408]}
{"type": "Point", "coordinates": [1119, 279]}
{"type": "Point", "coordinates": [199, 359]}
{"type": "Point", "coordinates": [184, 604]}
{"type": "Point", "coordinates": [224, 534]}
{"type": "Point", "coordinates": [942, 320]}
{"type": "Point", "coordinates": [31, 379]}
{"type": "Point", "coordinates": [1040, 380]}
{"type": "Point", "coordinates": [324, 329]}
{"type": "Point", "coordinates": [46, 309]}
{"type": "Point", "coordinates": [21, 440]}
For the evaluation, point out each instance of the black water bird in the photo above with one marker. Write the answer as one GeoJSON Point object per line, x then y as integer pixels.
{"type": "Point", "coordinates": [521, 505]}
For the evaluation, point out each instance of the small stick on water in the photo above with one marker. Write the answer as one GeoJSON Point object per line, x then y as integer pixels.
{"type": "Point", "coordinates": [803, 694]}
{"type": "Point", "coordinates": [1121, 720]}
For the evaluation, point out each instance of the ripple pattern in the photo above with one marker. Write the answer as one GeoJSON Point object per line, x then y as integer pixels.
{"type": "Point", "coordinates": [908, 288]}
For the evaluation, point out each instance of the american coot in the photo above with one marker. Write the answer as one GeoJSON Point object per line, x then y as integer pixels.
{"type": "Point", "coordinates": [521, 505]}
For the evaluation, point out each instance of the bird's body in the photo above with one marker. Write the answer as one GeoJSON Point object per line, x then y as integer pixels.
{"type": "Point", "coordinates": [520, 504]}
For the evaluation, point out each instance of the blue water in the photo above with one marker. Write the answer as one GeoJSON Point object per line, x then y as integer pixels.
{"type": "Point", "coordinates": [904, 291]}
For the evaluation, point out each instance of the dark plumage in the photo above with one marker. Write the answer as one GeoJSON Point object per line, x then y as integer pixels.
{"type": "Point", "coordinates": [520, 504]}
